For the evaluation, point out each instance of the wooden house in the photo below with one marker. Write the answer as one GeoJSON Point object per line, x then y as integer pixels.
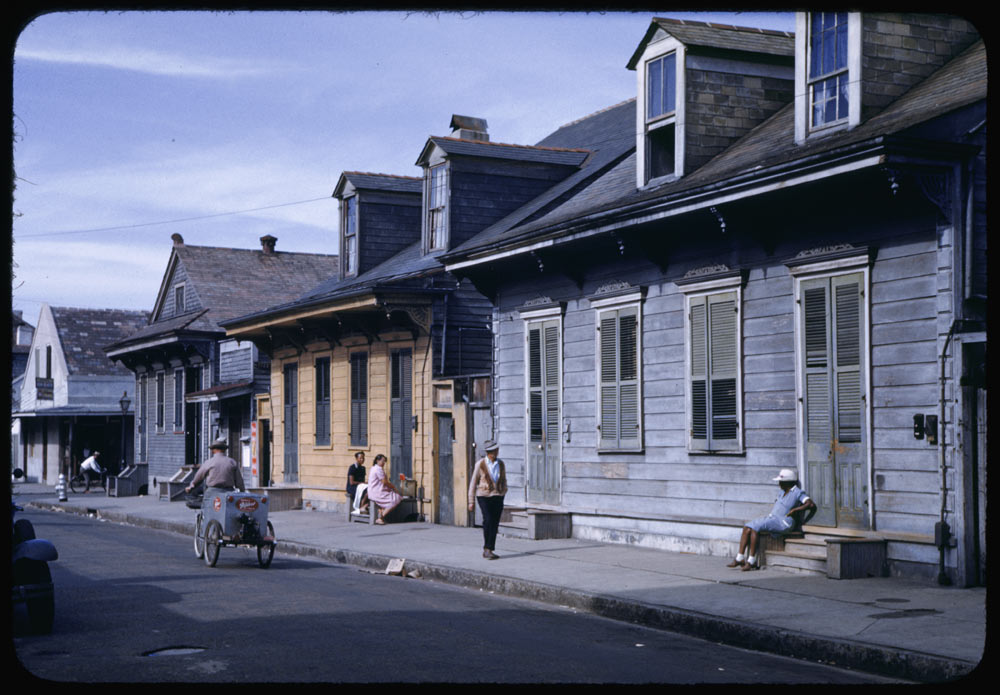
{"type": "Point", "coordinates": [192, 384]}
{"type": "Point", "coordinates": [70, 401]}
{"type": "Point", "coordinates": [395, 356]}
{"type": "Point", "coordinates": [774, 257]}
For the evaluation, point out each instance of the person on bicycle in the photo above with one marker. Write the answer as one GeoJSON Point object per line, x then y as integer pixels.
{"type": "Point", "coordinates": [219, 471]}
{"type": "Point", "coordinates": [91, 469]}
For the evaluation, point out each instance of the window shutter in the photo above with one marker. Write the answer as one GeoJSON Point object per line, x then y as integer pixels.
{"type": "Point", "coordinates": [551, 381]}
{"type": "Point", "coordinates": [609, 379]}
{"type": "Point", "coordinates": [535, 383]}
{"type": "Point", "coordinates": [619, 387]}
{"type": "Point", "coordinates": [723, 355]}
{"type": "Point", "coordinates": [359, 399]}
{"type": "Point", "coordinates": [847, 366]}
{"type": "Point", "coordinates": [699, 375]}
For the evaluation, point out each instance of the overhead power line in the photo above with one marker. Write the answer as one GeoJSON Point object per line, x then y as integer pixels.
{"type": "Point", "coordinates": [183, 219]}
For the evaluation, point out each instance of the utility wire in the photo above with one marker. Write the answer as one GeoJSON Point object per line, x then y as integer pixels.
{"type": "Point", "coordinates": [184, 219]}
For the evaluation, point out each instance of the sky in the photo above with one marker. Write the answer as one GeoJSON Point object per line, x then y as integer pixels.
{"type": "Point", "coordinates": [226, 126]}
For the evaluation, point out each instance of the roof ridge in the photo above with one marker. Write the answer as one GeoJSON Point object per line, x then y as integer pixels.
{"type": "Point", "coordinates": [509, 144]}
{"type": "Point", "coordinates": [84, 308]}
{"type": "Point", "coordinates": [254, 250]}
{"type": "Point", "coordinates": [731, 27]}
{"type": "Point", "coordinates": [391, 176]}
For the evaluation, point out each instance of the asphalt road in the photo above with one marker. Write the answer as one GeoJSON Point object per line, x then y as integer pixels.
{"type": "Point", "coordinates": [135, 605]}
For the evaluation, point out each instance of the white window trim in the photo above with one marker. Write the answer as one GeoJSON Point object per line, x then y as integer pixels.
{"type": "Point", "coordinates": [442, 164]}
{"type": "Point", "coordinates": [356, 235]}
{"type": "Point", "coordinates": [621, 301]}
{"type": "Point", "coordinates": [833, 268]}
{"type": "Point", "coordinates": [654, 50]}
{"type": "Point", "coordinates": [803, 103]}
{"type": "Point", "coordinates": [183, 288]}
{"type": "Point", "coordinates": [730, 283]}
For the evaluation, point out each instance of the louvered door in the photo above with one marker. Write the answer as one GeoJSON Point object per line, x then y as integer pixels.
{"type": "Point", "coordinates": [834, 399]}
{"type": "Point", "coordinates": [544, 470]}
{"type": "Point", "coordinates": [401, 417]}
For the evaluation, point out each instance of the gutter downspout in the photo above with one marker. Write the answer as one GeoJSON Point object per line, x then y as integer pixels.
{"type": "Point", "coordinates": [941, 530]}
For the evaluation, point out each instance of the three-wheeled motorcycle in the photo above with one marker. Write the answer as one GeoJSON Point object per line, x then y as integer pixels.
{"type": "Point", "coordinates": [228, 518]}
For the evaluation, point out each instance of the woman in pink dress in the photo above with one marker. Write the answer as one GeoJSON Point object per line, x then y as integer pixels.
{"type": "Point", "coordinates": [381, 491]}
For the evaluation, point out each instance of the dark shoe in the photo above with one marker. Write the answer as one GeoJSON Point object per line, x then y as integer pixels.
{"type": "Point", "coordinates": [747, 566]}
{"type": "Point", "coordinates": [736, 563]}
{"type": "Point", "coordinates": [491, 555]}
{"type": "Point", "coordinates": [486, 553]}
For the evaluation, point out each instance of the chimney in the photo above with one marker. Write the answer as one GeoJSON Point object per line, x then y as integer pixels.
{"type": "Point", "coordinates": [267, 243]}
{"type": "Point", "coordinates": [469, 128]}
{"type": "Point", "coordinates": [177, 239]}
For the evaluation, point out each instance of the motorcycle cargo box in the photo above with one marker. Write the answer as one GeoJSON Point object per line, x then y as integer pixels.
{"type": "Point", "coordinates": [227, 507]}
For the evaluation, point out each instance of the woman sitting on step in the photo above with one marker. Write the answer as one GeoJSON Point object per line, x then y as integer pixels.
{"type": "Point", "coordinates": [782, 519]}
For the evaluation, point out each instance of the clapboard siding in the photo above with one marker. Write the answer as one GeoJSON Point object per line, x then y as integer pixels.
{"type": "Point", "coordinates": [387, 224]}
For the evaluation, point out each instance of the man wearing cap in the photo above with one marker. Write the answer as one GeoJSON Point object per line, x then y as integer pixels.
{"type": "Point", "coordinates": [219, 471]}
{"type": "Point", "coordinates": [783, 518]}
{"type": "Point", "coordinates": [488, 487]}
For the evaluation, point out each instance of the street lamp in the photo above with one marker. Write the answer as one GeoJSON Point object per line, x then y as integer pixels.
{"type": "Point", "coordinates": [124, 403]}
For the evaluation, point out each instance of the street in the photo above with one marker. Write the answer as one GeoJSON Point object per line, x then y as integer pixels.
{"type": "Point", "coordinates": [136, 605]}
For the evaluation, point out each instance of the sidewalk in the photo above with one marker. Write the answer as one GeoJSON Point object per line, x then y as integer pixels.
{"type": "Point", "coordinates": [910, 630]}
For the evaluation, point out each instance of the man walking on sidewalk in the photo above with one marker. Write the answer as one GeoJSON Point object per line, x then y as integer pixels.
{"type": "Point", "coordinates": [488, 487]}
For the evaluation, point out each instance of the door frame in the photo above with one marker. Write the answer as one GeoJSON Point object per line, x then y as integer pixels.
{"type": "Point", "coordinates": [860, 262]}
{"type": "Point", "coordinates": [552, 313]}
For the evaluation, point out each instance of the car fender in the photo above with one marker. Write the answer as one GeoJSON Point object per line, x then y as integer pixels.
{"type": "Point", "coordinates": [35, 549]}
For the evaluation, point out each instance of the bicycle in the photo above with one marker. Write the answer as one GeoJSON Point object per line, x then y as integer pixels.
{"type": "Point", "coordinates": [81, 482]}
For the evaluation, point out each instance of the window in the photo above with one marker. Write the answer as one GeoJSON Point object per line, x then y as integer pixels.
{"type": "Point", "coordinates": [828, 74]}
{"type": "Point", "coordinates": [178, 399]}
{"type": "Point", "coordinates": [619, 396]}
{"type": "Point", "coordinates": [714, 372]}
{"type": "Point", "coordinates": [350, 226]}
{"type": "Point", "coordinates": [437, 207]}
{"type": "Point", "coordinates": [159, 401]}
{"type": "Point", "coordinates": [48, 361]}
{"type": "Point", "coordinates": [661, 86]}
{"type": "Point", "coordinates": [359, 399]}
{"type": "Point", "coordinates": [179, 299]}
{"type": "Point", "coordinates": [322, 401]}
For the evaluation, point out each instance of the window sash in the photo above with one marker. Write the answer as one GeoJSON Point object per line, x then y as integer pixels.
{"type": "Point", "coordinates": [350, 225]}
{"type": "Point", "coordinates": [661, 86]}
{"type": "Point", "coordinates": [828, 77]}
{"type": "Point", "coordinates": [714, 380]}
{"type": "Point", "coordinates": [159, 400]}
{"type": "Point", "coordinates": [437, 205]}
{"type": "Point", "coordinates": [619, 397]}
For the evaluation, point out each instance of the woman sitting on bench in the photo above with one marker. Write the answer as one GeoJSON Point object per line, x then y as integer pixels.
{"type": "Point", "coordinates": [782, 519]}
{"type": "Point", "coordinates": [381, 491]}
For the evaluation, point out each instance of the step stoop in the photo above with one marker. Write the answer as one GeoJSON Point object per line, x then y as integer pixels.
{"type": "Point", "coordinates": [535, 524]}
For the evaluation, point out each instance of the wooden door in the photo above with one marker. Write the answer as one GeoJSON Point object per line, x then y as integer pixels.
{"type": "Point", "coordinates": [445, 470]}
{"type": "Point", "coordinates": [291, 425]}
{"type": "Point", "coordinates": [401, 414]}
{"type": "Point", "coordinates": [544, 470]}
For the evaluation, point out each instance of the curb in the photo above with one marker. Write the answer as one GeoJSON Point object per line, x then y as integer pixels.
{"type": "Point", "coordinates": [884, 661]}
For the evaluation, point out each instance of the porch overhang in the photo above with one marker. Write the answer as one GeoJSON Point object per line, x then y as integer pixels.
{"type": "Point", "coordinates": [220, 392]}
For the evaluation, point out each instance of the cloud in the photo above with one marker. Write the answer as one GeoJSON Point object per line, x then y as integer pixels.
{"type": "Point", "coordinates": [152, 62]}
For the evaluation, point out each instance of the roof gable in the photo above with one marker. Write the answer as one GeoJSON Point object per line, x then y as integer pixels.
{"type": "Point", "coordinates": [717, 36]}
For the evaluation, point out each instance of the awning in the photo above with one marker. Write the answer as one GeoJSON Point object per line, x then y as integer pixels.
{"type": "Point", "coordinates": [220, 392]}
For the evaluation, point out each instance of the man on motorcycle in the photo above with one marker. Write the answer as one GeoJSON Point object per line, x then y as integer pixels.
{"type": "Point", "coordinates": [219, 471]}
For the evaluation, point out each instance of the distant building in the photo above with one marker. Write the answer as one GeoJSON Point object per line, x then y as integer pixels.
{"type": "Point", "coordinates": [70, 400]}
{"type": "Point", "coordinates": [193, 384]}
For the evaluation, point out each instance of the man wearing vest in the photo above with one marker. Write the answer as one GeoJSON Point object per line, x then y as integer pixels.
{"type": "Point", "coordinates": [488, 487]}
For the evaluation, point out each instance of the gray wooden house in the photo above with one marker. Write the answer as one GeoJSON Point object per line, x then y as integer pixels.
{"type": "Point", "coordinates": [774, 257]}
{"type": "Point", "coordinates": [192, 384]}
{"type": "Point", "coordinates": [70, 401]}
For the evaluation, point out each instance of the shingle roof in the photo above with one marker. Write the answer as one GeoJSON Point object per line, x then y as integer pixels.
{"type": "Point", "coordinates": [83, 334]}
{"type": "Point", "coordinates": [233, 282]}
{"type": "Point", "coordinates": [724, 36]}
{"type": "Point", "coordinates": [959, 83]}
{"type": "Point", "coordinates": [384, 182]}
{"type": "Point", "coordinates": [499, 150]}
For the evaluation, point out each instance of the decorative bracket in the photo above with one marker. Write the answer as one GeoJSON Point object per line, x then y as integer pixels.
{"type": "Point", "coordinates": [719, 218]}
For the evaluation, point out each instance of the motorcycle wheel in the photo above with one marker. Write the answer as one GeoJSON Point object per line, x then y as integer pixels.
{"type": "Point", "coordinates": [41, 606]}
{"type": "Point", "coordinates": [199, 537]}
{"type": "Point", "coordinates": [213, 539]}
{"type": "Point", "coordinates": [265, 551]}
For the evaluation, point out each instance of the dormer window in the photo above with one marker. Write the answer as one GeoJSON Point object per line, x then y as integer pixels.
{"type": "Point", "coordinates": [349, 225]}
{"type": "Point", "coordinates": [828, 76]}
{"type": "Point", "coordinates": [660, 110]}
{"type": "Point", "coordinates": [179, 300]}
{"type": "Point", "coordinates": [436, 195]}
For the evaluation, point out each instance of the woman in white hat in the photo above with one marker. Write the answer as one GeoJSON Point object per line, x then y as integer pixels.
{"type": "Point", "coordinates": [783, 518]}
